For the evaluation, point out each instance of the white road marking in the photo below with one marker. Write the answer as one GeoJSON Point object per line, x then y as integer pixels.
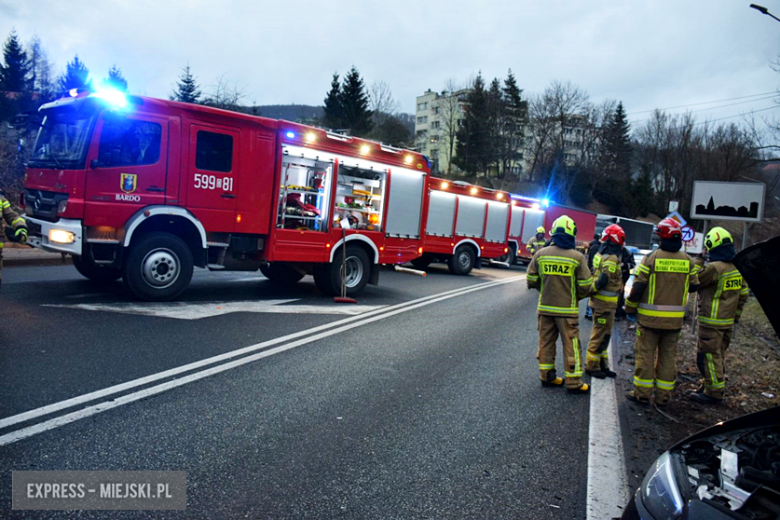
{"type": "Point", "coordinates": [197, 311]}
{"type": "Point", "coordinates": [79, 296]}
{"type": "Point", "coordinates": [343, 325]}
{"type": "Point", "coordinates": [608, 490]}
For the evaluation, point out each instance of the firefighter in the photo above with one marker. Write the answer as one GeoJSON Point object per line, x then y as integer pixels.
{"type": "Point", "coordinates": [593, 248]}
{"type": "Point", "coordinates": [722, 295]}
{"type": "Point", "coordinates": [561, 275]}
{"type": "Point", "coordinates": [18, 226]}
{"type": "Point", "coordinates": [659, 296]}
{"type": "Point", "coordinates": [537, 241]}
{"type": "Point", "coordinates": [607, 284]}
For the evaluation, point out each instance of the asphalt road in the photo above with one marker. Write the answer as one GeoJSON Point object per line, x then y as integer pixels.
{"type": "Point", "coordinates": [424, 406]}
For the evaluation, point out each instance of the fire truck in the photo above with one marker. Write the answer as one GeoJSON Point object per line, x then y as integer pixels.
{"type": "Point", "coordinates": [528, 214]}
{"type": "Point", "coordinates": [465, 224]}
{"type": "Point", "coordinates": [146, 190]}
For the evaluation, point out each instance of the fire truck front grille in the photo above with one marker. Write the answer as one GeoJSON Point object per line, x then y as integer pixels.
{"type": "Point", "coordinates": [43, 204]}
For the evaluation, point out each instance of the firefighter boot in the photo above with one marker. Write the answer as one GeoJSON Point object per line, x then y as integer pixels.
{"type": "Point", "coordinates": [631, 396]}
{"type": "Point", "coordinates": [598, 374]}
{"type": "Point", "coordinates": [584, 389]}
{"type": "Point", "coordinates": [703, 398]}
{"type": "Point", "coordinates": [552, 379]}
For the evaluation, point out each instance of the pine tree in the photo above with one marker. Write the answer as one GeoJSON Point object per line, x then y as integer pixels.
{"type": "Point", "coordinates": [334, 113]}
{"type": "Point", "coordinates": [14, 74]}
{"type": "Point", "coordinates": [76, 76]}
{"type": "Point", "coordinates": [41, 79]}
{"type": "Point", "coordinates": [354, 103]}
{"type": "Point", "coordinates": [187, 89]}
{"type": "Point", "coordinates": [473, 146]}
{"type": "Point", "coordinates": [115, 79]}
{"type": "Point", "coordinates": [614, 188]}
{"type": "Point", "coordinates": [515, 121]}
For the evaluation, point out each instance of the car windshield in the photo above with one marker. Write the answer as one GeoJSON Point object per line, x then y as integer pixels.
{"type": "Point", "coordinates": [63, 139]}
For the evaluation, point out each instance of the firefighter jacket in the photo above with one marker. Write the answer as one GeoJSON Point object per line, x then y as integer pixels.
{"type": "Point", "coordinates": [562, 278]}
{"type": "Point", "coordinates": [607, 282]}
{"type": "Point", "coordinates": [660, 291]}
{"type": "Point", "coordinates": [11, 217]}
{"type": "Point", "coordinates": [722, 295]}
{"type": "Point", "coordinates": [535, 245]}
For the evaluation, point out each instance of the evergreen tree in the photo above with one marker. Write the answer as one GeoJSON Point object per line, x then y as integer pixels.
{"type": "Point", "coordinates": [614, 188]}
{"type": "Point", "coordinates": [41, 79]}
{"type": "Point", "coordinates": [473, 137]}
{"type": "Point", "coordinates": [115, 79]}
{"type": "Point", "coordinates": [334, 113]}
{"type": "Point", "coordinates": [187, 89]}
{"type": "Point", "coordinates": [14, 74]}
{"type": "Point", "coordinates": [76, 75]}
{"type": "Point", "coordinates": [515, 121]}
{"type": "Point", "coordinates": [354, 104]}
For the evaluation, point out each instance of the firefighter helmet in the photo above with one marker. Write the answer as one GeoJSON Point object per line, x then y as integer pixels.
{"type": "Point", "coordinates": [614, 234]}
{"type": "Point", "coordinates": [669, 228]}
{"type": "Point", "coordinates": [565, 225]}
{"type": "Point", "coordinates": [540, 229]}
{"type": "Point", "coordinates": [717, 237]}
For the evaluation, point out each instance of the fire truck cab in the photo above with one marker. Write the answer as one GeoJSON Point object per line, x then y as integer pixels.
{"type": "Point", "coordinates": [147, 189]}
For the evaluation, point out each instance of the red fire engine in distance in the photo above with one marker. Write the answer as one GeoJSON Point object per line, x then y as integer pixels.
{"type": "Point", "coordinates": [464, 224]}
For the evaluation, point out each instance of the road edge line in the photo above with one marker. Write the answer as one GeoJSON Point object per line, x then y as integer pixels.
{"type": "Point", "coordinates": [608, 492]}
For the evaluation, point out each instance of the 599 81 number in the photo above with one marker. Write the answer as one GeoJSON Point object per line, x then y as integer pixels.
{"type": "Point", "coordinates": [212, 182]}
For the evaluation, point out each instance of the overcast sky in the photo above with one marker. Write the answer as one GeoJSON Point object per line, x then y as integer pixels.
{"type": "Point", "coordinates": [649, 54]}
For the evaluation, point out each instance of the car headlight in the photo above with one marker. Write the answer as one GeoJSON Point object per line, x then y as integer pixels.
{"type": "Point", "coordinates": [660, 492]}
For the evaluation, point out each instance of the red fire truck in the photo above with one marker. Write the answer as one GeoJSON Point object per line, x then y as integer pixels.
{"type": "Point", "coordinates": [464, 224]}
{"type": "Point", "coordinates": [146, 189]}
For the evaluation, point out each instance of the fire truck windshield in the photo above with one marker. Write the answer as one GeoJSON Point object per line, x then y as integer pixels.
{"type": "Point", "coordinates": [63, 139]}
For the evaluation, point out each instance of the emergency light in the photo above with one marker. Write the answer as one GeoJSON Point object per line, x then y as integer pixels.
{"type": "Point", "coordinates": [112, 96]}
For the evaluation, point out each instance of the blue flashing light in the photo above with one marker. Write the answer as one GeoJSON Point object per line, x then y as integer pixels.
{"type": "Point", "coordinates": [545, 202]}
{"type": "Point", "coordinates": [115, 98]}
{"type": "Point", "coordinates": [290, 135]}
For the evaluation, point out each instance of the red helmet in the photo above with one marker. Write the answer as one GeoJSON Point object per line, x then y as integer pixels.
{"type": "Point", "coordinates": [669, 228]}
{"type": "Point", "coordinates": [614, 234]}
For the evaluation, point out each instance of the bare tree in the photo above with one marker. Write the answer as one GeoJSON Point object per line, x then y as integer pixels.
{"type": "Point", "coordinates": [225, 95]}
{"type": "Point", "coordinates": [381, 102]}
{"type": "Point", "coordinates": [449, 107]}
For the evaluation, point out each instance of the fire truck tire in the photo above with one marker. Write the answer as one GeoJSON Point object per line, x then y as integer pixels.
{"type": "Point", "coordinates": [158, 267]}
{"type": "Point", "coordinates": [509, 257]}
{"type": "Point", "coordinates": [462, 262]}
{"type": "Point", "coordinates": [358, 271]}
{"type": "Point", "coordinates": [422, 262]}
{"type": "Point", "coordinates": [97, 273]}
{"type": "Point", "coordinates": [281, 274]}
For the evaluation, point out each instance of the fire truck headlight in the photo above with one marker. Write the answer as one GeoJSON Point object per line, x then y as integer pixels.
{"type": "Point", "coordinates": [60, 236]}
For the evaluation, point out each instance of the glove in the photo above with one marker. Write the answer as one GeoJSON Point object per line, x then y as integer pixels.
{"type": "Point", "coordinates": [631, 317]}
{"type": "Point", "coordinates": [21, 235]}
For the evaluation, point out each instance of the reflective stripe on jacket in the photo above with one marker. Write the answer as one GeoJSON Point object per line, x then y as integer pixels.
{"type": "Point", "coordinates": [562, 278]}
{"type": "Point", "coordinates": [11, 217]}
{"type": "Point", "coordinates": [606, 298]}
{"type": "Point", "coordinates": [722, 295]}
{"type": "Point", "coordinates": [660, 291]}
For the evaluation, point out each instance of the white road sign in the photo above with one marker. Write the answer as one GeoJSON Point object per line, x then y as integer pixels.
{"type": "Point", "coordinates": [728, 201]}
{"type": "Point", "coordinates": [694, 246]}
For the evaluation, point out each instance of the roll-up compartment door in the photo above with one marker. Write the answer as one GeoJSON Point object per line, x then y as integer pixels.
{"type": "Point", "coordinates": [441, 212]}
{"type": "Point", "coordinates": [404, 209]}
{"type": "Point", "coordinates": [471, 217]}
{"type": "Point", "coordinates": [533, 219]}
{"type": "Point", "coordinates": [517, 222]}
{"type": "Point", "coordinates": [496, 222]}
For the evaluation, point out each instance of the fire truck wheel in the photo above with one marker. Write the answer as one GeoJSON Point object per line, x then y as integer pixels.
{"type": "Point", "coordinates": [97, 273]}
{"type": "Point", "coordinates": [358, 270]}
{"type": "Point", "coordinates": [422, 262]}
{"type": "Point", "coordinates": [462, 262]}
{"type": "Point", "coordinates": [158, 267]}
{"type": "Point", "coordinates": [509, 258]}
{"type": "Point", "coordinates": [281, 274]}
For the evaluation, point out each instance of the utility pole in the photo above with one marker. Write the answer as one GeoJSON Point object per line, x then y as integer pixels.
{"type": "Point", "coordinates": [764, 10]}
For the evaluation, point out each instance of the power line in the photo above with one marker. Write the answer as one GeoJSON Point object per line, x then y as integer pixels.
{"type": "Point", "coordinates": [703, 103]}
{"type": "Point", "coordinates": [716, 108]}
{"type": "Point", "coordinates": [737, 115]}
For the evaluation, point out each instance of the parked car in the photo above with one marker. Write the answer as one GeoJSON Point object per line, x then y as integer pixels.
{"type": "Point", "coordinates": [731, 470]}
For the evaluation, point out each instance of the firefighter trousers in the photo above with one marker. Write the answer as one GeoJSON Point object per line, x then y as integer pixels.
{"type": "Point", "coordinates": [599, 339]}
{"type": "Point", "coordinates": [711, 359]}
{"type": "Point", "coordinates": [655, 358]}
{"type": "Point", "coordinates": [550, 327]}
